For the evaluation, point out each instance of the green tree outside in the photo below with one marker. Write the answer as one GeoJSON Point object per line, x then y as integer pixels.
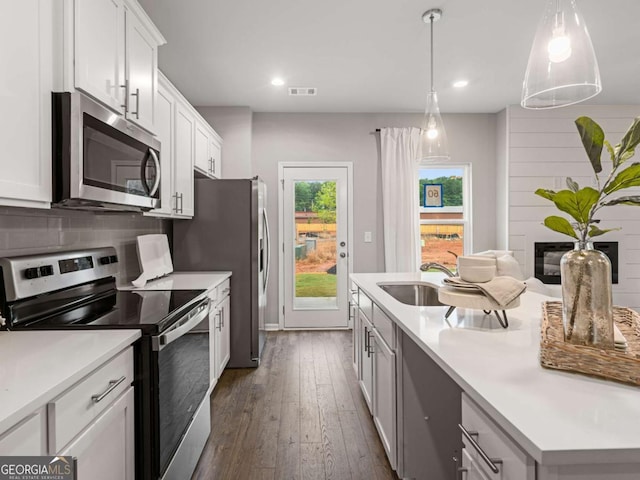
{"type": "Point", "coordinates": [305, 193]}
{"type": "Point", "coordinates": [324, 203]}
{"type": "Point", "coordinates": [451, 190]}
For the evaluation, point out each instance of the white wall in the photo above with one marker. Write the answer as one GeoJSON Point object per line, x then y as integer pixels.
{"type": "Point", "coordinates": [318, 137]}
{"type": "Point", "coordinates": [233, 124]}
{"type": "Point", "coordinates": [544, 148]}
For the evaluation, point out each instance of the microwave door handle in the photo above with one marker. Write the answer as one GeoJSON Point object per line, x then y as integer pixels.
{"type": "Point", "coordinates": [156, 183]}
{"type": "Point", "coordinates": [172, 335]}
{"type": "Point", "coordinates": [143, 173]}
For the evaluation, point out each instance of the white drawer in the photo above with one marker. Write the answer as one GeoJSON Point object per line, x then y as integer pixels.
{"type": "Point", "coordinates": [73, 410]}
{"type": "Point", "coordinates": [365, 305]}
{"type": "Point", "coordinates": [222, 290]}
{"type": "Point", "coordinates": [384, 326]}
{"type": "Point", "coordinates": [511, 461]}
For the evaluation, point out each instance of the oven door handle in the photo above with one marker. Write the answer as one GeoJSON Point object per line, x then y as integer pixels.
{"type": "Point", "coordinates": [161, 341]}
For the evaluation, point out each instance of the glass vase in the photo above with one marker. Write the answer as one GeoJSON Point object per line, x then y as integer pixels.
{"type": "Point", "coordinates": [587, 310]}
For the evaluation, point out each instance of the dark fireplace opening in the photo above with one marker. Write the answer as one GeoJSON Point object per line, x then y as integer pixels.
{"type": "Point", "coordinates": [547, 257]}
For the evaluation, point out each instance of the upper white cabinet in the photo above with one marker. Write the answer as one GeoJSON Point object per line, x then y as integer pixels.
{"type": "Point", "coordinates": [175, 126]}
{"type": "Point", "coordinates": [114, 51]}
{"type": "Point", "coordinates": [208, 145]}
{"type": "Point", "coordinates": [28, 57]}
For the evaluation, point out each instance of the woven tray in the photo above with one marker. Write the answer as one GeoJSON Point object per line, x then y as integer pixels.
{"type": "Point", "coordinates": [621, 366]}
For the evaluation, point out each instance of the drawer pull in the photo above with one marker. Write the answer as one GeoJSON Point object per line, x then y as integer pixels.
{"type": "Point", "coordinates": [491, 462]}
{"type": "Point", "coordinates": [226, 290]}
{"type": "Point", "coordinates": [112, 385]}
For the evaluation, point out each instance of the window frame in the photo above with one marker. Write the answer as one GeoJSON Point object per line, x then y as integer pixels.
{"type": "Point", "coordinates": [466, 221]}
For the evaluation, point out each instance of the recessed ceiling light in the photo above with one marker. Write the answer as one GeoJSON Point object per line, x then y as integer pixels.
{"type": "Point", "coordinates": [461, 83]}
{"type": "Point", "coordinates": [277, 82]}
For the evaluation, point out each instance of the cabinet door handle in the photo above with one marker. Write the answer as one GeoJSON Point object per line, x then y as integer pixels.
{"type": "Point", "coordinates": [213, 168]}
{"type": "Point", "coordinates": [137, 112]}
{"type": "Point", "coordinates": [491, 462]}
{"type": "Point", "coordinates": [126, 96]}
{"type": "Point", "coordinates": [371, 350]}
{"type": "Point", "coordinates": [175, 205]}
{"type": "Point", "coordinates": [366, 340]}
{"type": "Point", "coordinates": [112, 385]}
{"type": "Point", "coordinates": [181, 202]}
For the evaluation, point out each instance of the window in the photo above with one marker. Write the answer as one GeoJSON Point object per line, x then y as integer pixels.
{"type": "Point", "coordinates": [445, 230]}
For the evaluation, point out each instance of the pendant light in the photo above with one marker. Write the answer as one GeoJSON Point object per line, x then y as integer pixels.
{"type": "Point", "coordinates": [562, 68]}
{"type": "Point", "coordinates": [433, 138]}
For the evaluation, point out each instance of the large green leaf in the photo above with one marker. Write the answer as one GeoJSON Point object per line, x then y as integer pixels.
{"type": "Point", "coordinates": [592, 138]}
{"type": "Point", "coordinates": [544, 193]}
{"type": "Point", "coordinates": [630, 200]}
{"type": "Point", "coordinates": [560, 225]}
{"type": "Point", "coordinates": [629, 141]}
{"type": "Point", "coordinates": [596, 232]}
{"type": "Point", "coordinates": [577, 204]}
{"type": "Point", "coordinates": [629, 177]}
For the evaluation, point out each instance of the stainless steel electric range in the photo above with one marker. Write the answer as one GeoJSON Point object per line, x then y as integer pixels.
{"type": "Point", "coordinates": [77, 290]}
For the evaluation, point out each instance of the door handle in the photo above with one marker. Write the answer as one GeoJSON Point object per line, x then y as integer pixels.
{"type": "Point", "coordinates": [156, 162]}
{"type": "Point", "coordinates": [342, 255]}
{"type": "Point", "coordinates": [137, 112]}
{"type": "Point", "coordinates": [125, 105]}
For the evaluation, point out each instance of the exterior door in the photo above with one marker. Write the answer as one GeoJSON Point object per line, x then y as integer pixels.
{"type": "Point", "coordinates": [315, 230]}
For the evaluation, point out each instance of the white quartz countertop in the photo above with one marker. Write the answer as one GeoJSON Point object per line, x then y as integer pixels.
{"type": "Point", "coordinates": [184, 281]}
{"type": "Point", "coordinates": [36, 366]}
{"type": "Point", "coordinates": [557, 417]}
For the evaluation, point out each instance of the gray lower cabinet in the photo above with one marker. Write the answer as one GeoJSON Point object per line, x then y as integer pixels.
{"type": "Point", "coordinates": [429, 411]}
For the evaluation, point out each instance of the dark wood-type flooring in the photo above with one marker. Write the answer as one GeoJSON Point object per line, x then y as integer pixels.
{"type": "Point", "coordinates": [300, 415]}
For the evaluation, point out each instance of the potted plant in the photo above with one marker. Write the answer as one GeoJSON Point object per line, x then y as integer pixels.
{"type": "Point", "coordinates": [586, 272]}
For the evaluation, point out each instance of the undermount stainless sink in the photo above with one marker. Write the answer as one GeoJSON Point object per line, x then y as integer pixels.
{"type": "Point", "coordinates": [418, 294]}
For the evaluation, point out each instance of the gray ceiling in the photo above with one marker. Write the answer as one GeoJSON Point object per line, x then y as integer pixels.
{"type": "Point", "coordinates": [372, 55]}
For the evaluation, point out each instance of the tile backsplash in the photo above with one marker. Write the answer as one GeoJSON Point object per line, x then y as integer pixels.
{"type": "Point", "coordinates": [26, 231]}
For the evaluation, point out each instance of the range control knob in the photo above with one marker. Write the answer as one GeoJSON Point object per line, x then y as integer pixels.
{"type": "Point", "coordinates": [31, 273]}
{"type": "Point", "coordinates": [46, 270]}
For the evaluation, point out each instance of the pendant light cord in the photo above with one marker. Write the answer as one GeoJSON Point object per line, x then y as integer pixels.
{"type": "Point", "coordinates": [431, 58]}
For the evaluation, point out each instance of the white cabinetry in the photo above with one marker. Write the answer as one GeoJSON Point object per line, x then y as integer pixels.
{"type": "Point", "coordinates": [28, 437]}
{"type": "Point", "coordinates": [384, 391]}
{"type": "Point", "coordinates": [490, 449]}
{"type": "Point", "coordinates": [175, 127]}
{"type": "Point", "coordinates": [113, 48]}
{"type": "Point", "coordinates": [105, 449]}
{"type": "Point", "coordinates": [366, 361]}
{"type": "Point", "coordinates": [92, 420]}
{"type": "Point", "coordinates": [28, 57]}
{"type": "Point", "coordinates": [208, 150]}
{"type": "Point", "coordinates": [219, 329]}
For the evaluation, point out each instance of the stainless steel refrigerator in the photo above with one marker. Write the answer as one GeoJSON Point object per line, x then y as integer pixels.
{"type": "Point", "coordinates": [230, 231]}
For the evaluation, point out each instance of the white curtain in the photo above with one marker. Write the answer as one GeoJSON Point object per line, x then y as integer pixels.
{"type": "Point", "coordinates": [399, 153]}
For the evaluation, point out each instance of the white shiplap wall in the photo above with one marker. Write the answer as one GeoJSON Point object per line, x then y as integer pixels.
{"type": "Point", "coordinates": [543, 148]}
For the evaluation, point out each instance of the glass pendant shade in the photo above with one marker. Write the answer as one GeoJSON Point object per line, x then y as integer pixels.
{"type": "Point", "coordinates": [562, 68]}
{"type": "Point", "coordinates": [433, 137]}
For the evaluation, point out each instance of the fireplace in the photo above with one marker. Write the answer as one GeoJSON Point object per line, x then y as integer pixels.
{"type": "Point", "coordinates": [548, 254]}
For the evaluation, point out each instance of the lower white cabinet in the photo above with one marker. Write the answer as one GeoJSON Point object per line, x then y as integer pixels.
{"type": "Point", "coordinates": [93, 420]}
{"type": "Point", "coordinates": [28, 437]}
{"type": "Point", "coordinates": [491, 448]}
{"type": "Point", "coordinates": [366, 360]}
{"type": "Point", "coordinates": [384, 395]}
{"type": "Point", "coordinates": [219, 329]}
{"type": "Point", "coordinates": [105, 449]}
{"type": "Point", "coordinates": [222, 335]}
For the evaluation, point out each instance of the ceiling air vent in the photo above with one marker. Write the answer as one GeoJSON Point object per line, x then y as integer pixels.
{"type": "Point", "coordinates": [302, 91]}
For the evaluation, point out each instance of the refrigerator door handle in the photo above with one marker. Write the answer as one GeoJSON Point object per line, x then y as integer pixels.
{"type": "Point", "coordinates": [268, 247]}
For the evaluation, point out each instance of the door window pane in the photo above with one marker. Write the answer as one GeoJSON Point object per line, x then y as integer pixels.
{"type": "Point", "coordinates": [315, 245]}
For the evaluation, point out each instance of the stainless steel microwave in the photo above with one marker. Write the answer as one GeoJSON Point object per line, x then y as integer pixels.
{"type": "Point", "coordinates": [100, 160]}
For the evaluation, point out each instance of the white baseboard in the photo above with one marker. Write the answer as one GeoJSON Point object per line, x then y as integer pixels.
{"type": "Point", "coordinates": [271, 327]}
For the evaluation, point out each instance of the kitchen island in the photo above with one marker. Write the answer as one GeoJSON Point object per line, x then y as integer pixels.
{"type": "Point", "coordinates": [571, 426]}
